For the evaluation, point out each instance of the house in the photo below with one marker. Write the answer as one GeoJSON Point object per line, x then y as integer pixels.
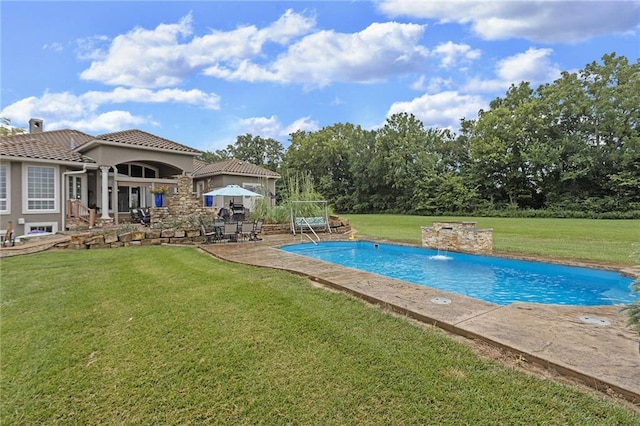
{"type": "Point", "coordinates": [50, 178]}
{"type": "Point", "coordinates": [208, 176]}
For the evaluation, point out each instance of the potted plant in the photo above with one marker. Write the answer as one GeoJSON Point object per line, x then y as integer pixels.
{"type": "Point", "coordinates": [159, 192]}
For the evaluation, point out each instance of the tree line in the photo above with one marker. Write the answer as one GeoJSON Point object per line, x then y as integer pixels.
{"type": "Point", "coordinates": [567, 148]}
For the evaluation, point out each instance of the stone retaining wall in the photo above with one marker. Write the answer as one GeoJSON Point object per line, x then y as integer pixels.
{"type": "Point", "coordinates": [147, 237]}
{"type": "Point", "coordinates": [458, 236]}
{"type": "Point", "coordinates": [150, 236]}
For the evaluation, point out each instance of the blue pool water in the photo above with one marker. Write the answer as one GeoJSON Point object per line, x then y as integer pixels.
{"type": "Point", "coordinates": [493, 279]}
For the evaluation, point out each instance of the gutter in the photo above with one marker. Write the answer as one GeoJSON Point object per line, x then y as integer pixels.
{"type": "Point", "coordinates": [64, 192]}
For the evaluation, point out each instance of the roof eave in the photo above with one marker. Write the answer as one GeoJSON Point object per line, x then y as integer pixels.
{"type": "Point", "coordinates": [223, 172]}
{"type": "Point", "coordinates": [15, 159]}
{"type": "Point", "coordinates": [97, 142]}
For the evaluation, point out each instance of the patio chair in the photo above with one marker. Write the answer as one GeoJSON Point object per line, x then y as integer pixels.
{"type": "Point", "coordinates": [247, 230]}
{"type": "Point", "coordinates": [231, 231]}
{"type": "Point", "coordinates": [257, 229]}
{"type": "Point", "coordinates": [145, 218]}
{"type": "Point", "coordinates": [218, 228]}
{"type": "Point", "coordinates": [210, 236]}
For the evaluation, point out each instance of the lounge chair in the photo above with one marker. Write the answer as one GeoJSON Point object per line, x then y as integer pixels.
{"type": "Point", "coordinates": [210, 236]}
{"type": "Point", "coordinates": [145, 218]}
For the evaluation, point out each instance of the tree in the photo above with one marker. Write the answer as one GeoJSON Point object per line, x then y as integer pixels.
{"type": "Point", "coordinates": [256, 150]}
{"type": "Point", "coordinates": [6, 129]}
{"type": "Point", "coordinates": [613, 88]}
{"type": "Point", "coordinates": [594, 115]}
{"type": "Point", "coordinates": [401, 158]}
{"type": "Point", "coordinates": [214, 157]}
{"type": "Point", "coordinates": [326, 155]}
{"type": "Point", "coordinates": [267, 153]}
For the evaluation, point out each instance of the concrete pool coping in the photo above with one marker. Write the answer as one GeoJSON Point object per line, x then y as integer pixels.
{"type": "Point", "coordinates": [603, 353]}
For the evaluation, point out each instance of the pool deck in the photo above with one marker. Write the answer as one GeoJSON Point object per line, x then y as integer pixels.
{"type": "Point", "coordinates": [591, 344]}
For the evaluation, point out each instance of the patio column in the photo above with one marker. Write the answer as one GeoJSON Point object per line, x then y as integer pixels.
{"type": "Point", "coordinates": [104, 172]}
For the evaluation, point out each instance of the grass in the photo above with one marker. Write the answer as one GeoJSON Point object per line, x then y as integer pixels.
{"type": "Point", "coordinates": [169, 335]}
{"type": "Point", "coordinates": [604, 241]}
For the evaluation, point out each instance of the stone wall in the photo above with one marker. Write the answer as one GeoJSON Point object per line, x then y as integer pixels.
{"type": "Point", "coordinates": [177, 222]}
{"type": "Point", "coordinates": [182, 209]}
{"type": "Point", "coordinates": [150, 236]}
{"type": "Point", "coordinates": [146, 237]}
{"type": "Point", "coordinates": [458, 236]}
{"type": "Point", "coordinates": [337, 225]}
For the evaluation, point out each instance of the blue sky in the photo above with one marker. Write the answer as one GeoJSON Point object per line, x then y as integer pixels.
{"type": "Point", "coordinates": [203, 72]}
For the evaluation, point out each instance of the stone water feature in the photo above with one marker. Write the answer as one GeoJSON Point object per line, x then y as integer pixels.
{"type": "Point", "coordinates": [458, 236]}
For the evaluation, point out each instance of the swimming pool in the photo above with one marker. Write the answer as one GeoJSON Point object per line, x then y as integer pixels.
{"type": "Point", "coordinates": [493, 279]}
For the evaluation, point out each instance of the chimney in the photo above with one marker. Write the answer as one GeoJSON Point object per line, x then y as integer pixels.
{"type": "Point", "coordinates": [36, 125]}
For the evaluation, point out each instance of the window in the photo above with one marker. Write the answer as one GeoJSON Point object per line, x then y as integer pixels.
{"type": "Point", "coordinates": [255, 187]}
{"type": "Point", "coordinates": [199, 188]}
{"type": "Point", "coordinates": [36, 228]}
{"type": "Point", "coordinates": [74, 187]}
{"type": "Point", "coordinates": [4, 188]}
{"type": "Point", "coordinates": [123, 169]}
{"type": "Point", "coordinates": [41, 188]}
{"type": "Point", "coordinates": [136, 170]}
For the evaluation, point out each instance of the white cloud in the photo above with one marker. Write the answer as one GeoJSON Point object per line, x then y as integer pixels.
{"type": "Point", "coordinates": [419, 84]}
{"type": "Point", "coordinates": [266, 127]}
{"type": "Point", "coordinates": [54, 46]}
{"type": "Point", "coordinates": [61, 110]}
{"type": "Point", "coordinates": [540, 21]}
{"type": "Point", "coordinates": [289, 26]}
{"type": "Point", "coordinates": [451, 53]}
{"type": "Point", "coordinates": [485, 85]}
{"type": "Point", "coordinates": [64, 110]}
{"type": "Point", "coordinates": [165, 56]}
{"type": "Point", "coordinates": [52, 107]}
{"type": "Point", "coordinates": [103, 123]}
{"type": "Point", "coordinates": [533, 66]}
{"type": "Point", "coordinates": [170, 53]}
{"type": "Point", "coordinates": [144, 58]}
{"type": "Point", "coordinates": [443, 110]}
{"type": "Point", "coordinates": [434, 85]}
{"type": "Point", "coordinates": [272, 127]}
{"type": "Point", "coordinates": [379, 51]}
{"type": "Point", "coordinates": [305, 124]}
{"type": "Point", "coordinates": [92, 48]}
{"type": "Point", "coordinates": [123, 95]}
{"type": "Point", "coordinates": [437, 84]}
{"type": "Point", "coordinates": [375, 53]}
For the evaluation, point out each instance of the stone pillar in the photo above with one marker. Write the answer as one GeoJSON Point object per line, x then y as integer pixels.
{"type": "Point", "coordinates": [104, 172]}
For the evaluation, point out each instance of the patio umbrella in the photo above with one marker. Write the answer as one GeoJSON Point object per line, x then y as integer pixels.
{"type": "Point", "coordinates": [232, 191]}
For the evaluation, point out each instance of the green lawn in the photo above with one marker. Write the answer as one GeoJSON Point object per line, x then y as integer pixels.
{"type": "Point", "coordinates": [607, 241]}
{"type": "Point", "coordinates": [169, 335]}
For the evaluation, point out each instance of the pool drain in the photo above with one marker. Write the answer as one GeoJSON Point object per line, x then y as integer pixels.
{"type": "Point", "coordinates": [441, 301]}
{"type": "Point", "coordinates": [595, 320]}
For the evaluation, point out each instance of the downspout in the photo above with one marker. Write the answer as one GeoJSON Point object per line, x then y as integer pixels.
{"type": "Point", "coordinates": [64, 192]}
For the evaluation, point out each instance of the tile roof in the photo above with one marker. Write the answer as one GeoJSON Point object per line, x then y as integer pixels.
{"type": "Point", "coordinates": [232, 166]}
{"type": "Point", "coordinates": [55, 145]}
{"type": "Point", "coordinates": [66, 138]}
{"type": "Point", "coordinates": [143, 139]}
